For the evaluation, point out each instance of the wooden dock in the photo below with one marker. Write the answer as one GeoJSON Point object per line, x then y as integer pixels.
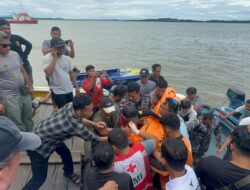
{"type": "Point", "coordinates": [55, 179]}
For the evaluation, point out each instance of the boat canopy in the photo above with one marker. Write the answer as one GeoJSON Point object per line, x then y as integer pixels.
{"type": "Point", "coordinates": [236, 97]}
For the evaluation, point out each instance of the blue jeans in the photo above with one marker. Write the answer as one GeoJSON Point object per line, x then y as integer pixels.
{"type": "Point", "coordinates": [39, 167]}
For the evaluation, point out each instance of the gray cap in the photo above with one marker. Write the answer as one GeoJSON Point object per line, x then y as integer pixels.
{"type": "Point", "coordinates": [12, 139]}
{"type": "Point", "coordinates": [4, 38]}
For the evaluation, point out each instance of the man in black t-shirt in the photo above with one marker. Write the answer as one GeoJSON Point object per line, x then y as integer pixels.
{"type": "Point", "coordinates": [103, 157]}
{"type": "Point", "coordinates": [156, 73]}
{"type": "Point", "coordinates": [216, 173]}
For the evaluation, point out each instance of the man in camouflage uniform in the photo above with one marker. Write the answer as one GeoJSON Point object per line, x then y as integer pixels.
{"type": "Point", "coordinates": [200, 132]}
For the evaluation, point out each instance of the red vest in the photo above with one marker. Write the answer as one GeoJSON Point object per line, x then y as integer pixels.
{"type": "Point", "coordinates": [136, 164]}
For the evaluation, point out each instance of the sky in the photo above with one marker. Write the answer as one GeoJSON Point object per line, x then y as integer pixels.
{"type": "Point", "coordinates": [131, 9]}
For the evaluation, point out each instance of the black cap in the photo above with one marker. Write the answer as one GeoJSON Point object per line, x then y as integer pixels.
{"type": "Point", "coordinates": [131, 113]}
{"type": "Point", "coordinates": [57, 42]}
{"type": "Point", "coordinates": [107, 105]}
{"type": "Point", "coordinates": [144, 72]}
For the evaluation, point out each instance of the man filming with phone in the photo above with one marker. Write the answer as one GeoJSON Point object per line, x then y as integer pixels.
{"type": "Point", "coordinates": [59, 70]}
{"type": "Point", "coordinates": [56, 33]}
{"type": "Point", "coordinates": [93, 85]}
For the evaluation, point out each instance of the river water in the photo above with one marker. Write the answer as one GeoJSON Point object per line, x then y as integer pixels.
{"type": "Point", "coordinates": [210, 56]}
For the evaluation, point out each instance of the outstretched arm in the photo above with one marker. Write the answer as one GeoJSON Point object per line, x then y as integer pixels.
{"type": "Point", "coordinates": [229, 114]}
{"type": "Point", "coordinates": [224, 146]}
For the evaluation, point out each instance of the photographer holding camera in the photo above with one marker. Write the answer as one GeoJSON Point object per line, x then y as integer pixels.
{"type": "Point", "coordinates": [56, 33]}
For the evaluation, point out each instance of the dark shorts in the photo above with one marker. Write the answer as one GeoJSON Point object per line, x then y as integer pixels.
{"type": "Point", "coordinates": [62, 99]}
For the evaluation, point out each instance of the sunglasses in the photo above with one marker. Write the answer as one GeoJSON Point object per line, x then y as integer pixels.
{"type": "Point", "coordinates": [4, 45]}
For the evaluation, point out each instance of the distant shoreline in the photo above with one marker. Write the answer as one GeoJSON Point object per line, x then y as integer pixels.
{"type": "Point", "coordinates": [154, 20]}
{"type": "Point", "coordinates": [145, 20]}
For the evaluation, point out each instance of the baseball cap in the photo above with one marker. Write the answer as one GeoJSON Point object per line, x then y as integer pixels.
{"type": "Point", "coordinates": [245, 121]}
{"type": "Point", "coordinates": [144, 72]}
{"type": "Point", "coordinates": [57, 42]}
{"type": "Point", "coordinates": [107, 105]}
{"type": "Point", "coordinates": [112, 89]}
{"type": "Point", "coordinates": [4, 38]}
{"type": "Point", "coordinates": [131, 113]}
{"type": "Point", "coordinates": [12, 139]}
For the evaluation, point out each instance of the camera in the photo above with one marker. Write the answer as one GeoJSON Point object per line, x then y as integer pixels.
{"type": "Point", "coordinates": [66, 42]}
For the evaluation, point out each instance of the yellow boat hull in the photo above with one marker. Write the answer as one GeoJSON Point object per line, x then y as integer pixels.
{"type": "Point", "coordinates": [41, 92]}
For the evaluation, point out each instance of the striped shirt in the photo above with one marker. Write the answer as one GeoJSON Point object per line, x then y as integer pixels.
{"type": "Point", "coordinates": [60, 126]}
{"type": "Point", "coordinates": [142, 105]}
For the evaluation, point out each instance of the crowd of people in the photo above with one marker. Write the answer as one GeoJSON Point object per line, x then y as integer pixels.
{"type": "Point", "coordinates": [143, 136]}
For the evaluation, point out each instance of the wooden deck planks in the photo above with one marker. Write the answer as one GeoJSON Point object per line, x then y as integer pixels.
{"type": "Point", "coordinates": [78, 145]}
{"type": "Point", "coordinates": [43, 112]}
{"type": "Point", "coordinates": [72, 186]}
{"type": "Point", "coordinates": [51, 176]}
{"type": "Point", "coordinates": [55, 179]}
{"type": "Point", "coordinates": [60, 181]}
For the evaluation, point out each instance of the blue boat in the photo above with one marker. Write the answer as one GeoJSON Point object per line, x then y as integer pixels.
{"type": "Point", "coordinates": [117, 75]}
{"type": "Point", "coordinates": [236, 98]}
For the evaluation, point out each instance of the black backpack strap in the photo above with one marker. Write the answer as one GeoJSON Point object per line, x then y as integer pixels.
{"type": "Point", "coordinates": [236, 185]}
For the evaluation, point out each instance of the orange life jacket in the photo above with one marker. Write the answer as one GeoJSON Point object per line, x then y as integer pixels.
{"type": "Point", "coordinates": [169, 93]}
{"type": "Point", "coordinates": [151, 126]}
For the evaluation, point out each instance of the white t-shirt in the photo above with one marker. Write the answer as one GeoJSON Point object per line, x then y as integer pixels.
{"type": "Point", "coordinates": [59, 81]}
{"type": "Point", "coordinates": [187, 182]}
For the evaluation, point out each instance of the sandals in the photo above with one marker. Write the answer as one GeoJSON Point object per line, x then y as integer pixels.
{"type": "Point", "coordinates": [75, 178]}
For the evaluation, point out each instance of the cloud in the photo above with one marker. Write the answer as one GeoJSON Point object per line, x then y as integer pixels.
{"type": "Point", "coordinates": [135, 13]}
{"type": "Point", "coordinates": [5, 3]}
{"type": "Point", "coordinates": [130, 9]}
{"type": "Point", "coordinates": [244, 3]}
{"type": "Point", "coordinates": [43, 10]}
{"type": "Point", "coordinates": [202, 4]}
